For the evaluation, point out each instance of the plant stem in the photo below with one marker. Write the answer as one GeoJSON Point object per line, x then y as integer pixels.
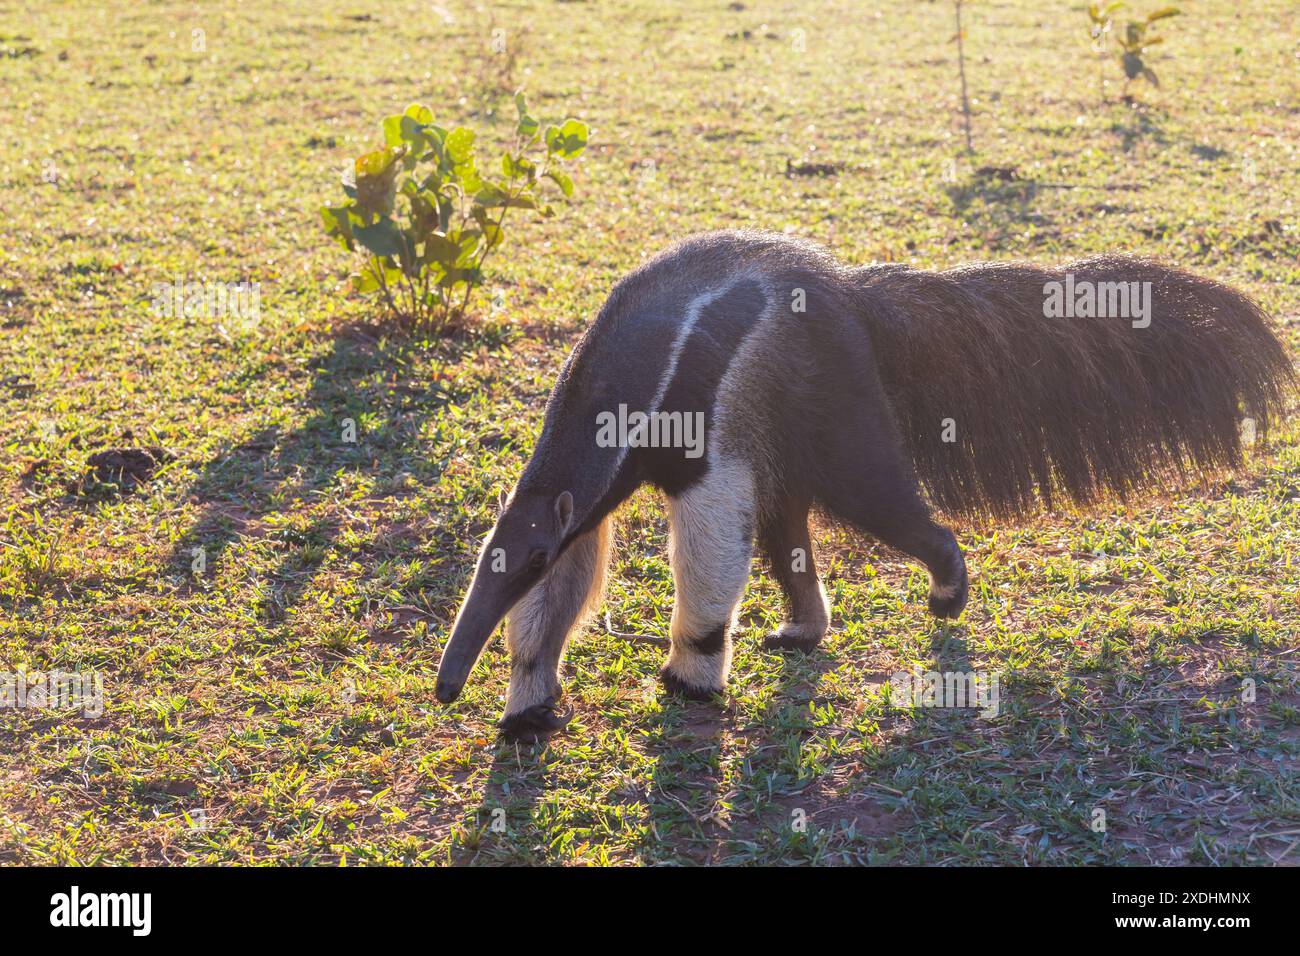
{"type": "Point", "coordinates": [487, 248]}
{"type": "Point", "coordinates": [961, 66]}
{"type": "Point", "coordinates": [377, 268]}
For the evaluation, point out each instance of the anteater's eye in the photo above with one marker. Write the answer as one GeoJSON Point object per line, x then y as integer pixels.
{"type": "Point", "coordinates": [537, 560]}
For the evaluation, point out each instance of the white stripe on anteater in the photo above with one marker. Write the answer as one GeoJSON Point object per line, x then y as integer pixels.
{"type": "Point", "coordinates": [692, 315]}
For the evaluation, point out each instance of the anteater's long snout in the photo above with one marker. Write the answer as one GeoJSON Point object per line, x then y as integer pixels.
{"type": "Point", "coordinates": [474, 626]}
{"type": "Point", "coordinates": [485, 605]}
{"type": "Point", "coordinates": [448, 690]}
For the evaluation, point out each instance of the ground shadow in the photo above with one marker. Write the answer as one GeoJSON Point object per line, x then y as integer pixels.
{"type": "Point", "coordinates": [685, 740]}
{"type": "Point", "coordinates": [996, 198]}
{"type": "Point", "coordinates": [1140, 124]}
{"type": "Point", "coordinates": [363, 417]}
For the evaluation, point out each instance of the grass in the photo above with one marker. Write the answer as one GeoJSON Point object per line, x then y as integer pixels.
{"type": "Point", "coordinates": [278, 707]}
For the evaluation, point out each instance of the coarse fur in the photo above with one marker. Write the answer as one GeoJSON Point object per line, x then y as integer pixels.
{"type": "Point", "coordinates": [859, 393]}
{"type": "Point", "coordinates": [1051, 408]}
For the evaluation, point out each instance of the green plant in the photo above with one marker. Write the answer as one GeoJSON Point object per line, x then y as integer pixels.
{"type": "Point", "coordinates": [427, 218]}
{"type": "Point", "coordinates": [1102, 23]}
{"type": "Point", "coordinates": [1134, 41]}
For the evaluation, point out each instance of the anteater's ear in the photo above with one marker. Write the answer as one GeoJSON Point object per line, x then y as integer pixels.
{"type": "Point", "coordinates": [501, 501]}
{"type": "Point", "coordinates": [563, 510]}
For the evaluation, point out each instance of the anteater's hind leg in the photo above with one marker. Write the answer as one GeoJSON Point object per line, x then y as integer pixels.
{"type": "Point", "coordinates": [913, 532]}
{"type": "Point", "coordinates": [784, 537]}
{"type": "Point", "coordinates": [710, 544]}
{"type": "Point", "coordinates": [878, 493]}
{"type": "Point", "coordinates": [539, 626]}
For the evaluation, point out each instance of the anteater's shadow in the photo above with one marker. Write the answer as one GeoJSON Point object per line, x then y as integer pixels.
{"type": "Point", "coordinates": [517, 781]}
{"type": "Point", "coordinates": [948, 645]}
{"type": "Point", "coordinates": [701, 753]}
{"type": "Point", "coordinates": [686, 741]}
{"type": "Point", "coordinates": [704, 751]}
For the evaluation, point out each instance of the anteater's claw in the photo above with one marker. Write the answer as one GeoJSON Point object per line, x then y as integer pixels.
{"type": "Point", "coordinates": [535, 723]}
{"type": "Point", "coordinates": [675, 685]}
{"type": "Point", "coordinates": [950, 606]}
{"type": "Point", "coordinates": [791, 639]}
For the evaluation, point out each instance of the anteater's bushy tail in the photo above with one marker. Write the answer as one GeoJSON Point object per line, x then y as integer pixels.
{"type": "Point", "coordinates": [1044, 408]}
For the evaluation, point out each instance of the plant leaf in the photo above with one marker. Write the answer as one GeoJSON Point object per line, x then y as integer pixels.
{"type": "Point", "coordinates": [438, 248]}
{"type": "Point", "coordinates": [561, 180]}
{"type": "Point", "coordinates": [382, 238]}
{"type": "Point", "coordinates": [460, 144]}
{"type": "Point", "coordinates": [393, 130]}
{"type": "Point", "coordinates": [419, 114]}
{"type": "Point", "coordinates": [568, 140]}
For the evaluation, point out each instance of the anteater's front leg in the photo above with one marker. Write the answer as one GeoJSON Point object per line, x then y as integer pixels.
{"type": "Point", "coordinates": [710, 543]}
{"type": "Point", "coordinates": [784, 537]}
{"type": "Point", "coordinates": [539, 626]}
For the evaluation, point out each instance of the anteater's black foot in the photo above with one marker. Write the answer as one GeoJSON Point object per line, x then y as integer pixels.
{"type": "Point", "coordinates": [793, 637]}
{"type": "Point", "coordinates": [949, 605]}
{"type": "Point", "coordinates": [680, 688]}
{"type": "Point", "coordinates": [535, 723]}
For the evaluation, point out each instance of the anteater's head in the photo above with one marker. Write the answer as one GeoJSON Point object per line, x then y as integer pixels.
{"type": "Point", "coordinates": [533, 529]}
